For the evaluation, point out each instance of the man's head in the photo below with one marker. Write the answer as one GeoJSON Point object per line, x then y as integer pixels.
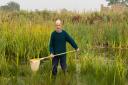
{"type": "Point", "coordinates": [58, 25]}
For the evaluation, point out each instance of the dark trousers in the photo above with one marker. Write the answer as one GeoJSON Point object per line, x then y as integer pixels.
{"type": "Point", "coordinates": [55, 61]}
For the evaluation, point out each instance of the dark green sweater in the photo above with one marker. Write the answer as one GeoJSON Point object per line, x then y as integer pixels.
{"type": "Point", "coordinates": [58, 42]}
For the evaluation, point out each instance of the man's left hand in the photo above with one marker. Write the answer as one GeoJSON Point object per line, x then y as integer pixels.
{"type": "Point", "coordinates": [77, 49]}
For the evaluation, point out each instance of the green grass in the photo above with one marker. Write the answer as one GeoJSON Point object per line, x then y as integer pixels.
{"type": "Point", "coordinates": [29, 38]}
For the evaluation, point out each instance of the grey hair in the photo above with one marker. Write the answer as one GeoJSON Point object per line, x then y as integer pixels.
{"type": "Point", "coordinates": [59, 20]}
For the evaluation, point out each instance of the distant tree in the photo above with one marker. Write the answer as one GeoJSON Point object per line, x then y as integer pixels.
{"type": "Point", "coordinates": [14, 6]}
{"type": "Point", "coordinates": [111, 2]}
{"type": "Point", "coordinates": [11, 6]}
{"type": "Point", "coordinates": [5, 7]}
{"type": "Point", "coordinates": [64, 10]}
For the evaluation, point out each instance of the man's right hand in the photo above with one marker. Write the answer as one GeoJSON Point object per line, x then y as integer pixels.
{"type": "Point", "coordinates": [52, 55]}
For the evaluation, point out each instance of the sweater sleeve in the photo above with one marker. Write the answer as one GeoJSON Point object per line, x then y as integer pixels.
{"type": "Point", "coordinates": [70, 40]}
{"type": "Point", "coordinates": [51, 44]}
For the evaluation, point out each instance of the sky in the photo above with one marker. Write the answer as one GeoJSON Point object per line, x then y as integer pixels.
{"type": "Point", "coordinates": [78, 5]}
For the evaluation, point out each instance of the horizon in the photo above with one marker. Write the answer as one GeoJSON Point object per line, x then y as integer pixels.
{"type": "Point", "coordinates": [72, 5]}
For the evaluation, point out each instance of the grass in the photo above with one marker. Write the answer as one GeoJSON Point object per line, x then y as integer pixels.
{"type": "Point", "coordinates": [29, 38]}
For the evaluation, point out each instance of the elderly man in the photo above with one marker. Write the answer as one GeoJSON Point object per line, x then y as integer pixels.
{"type": "Point", "coordinates": [57, 45]}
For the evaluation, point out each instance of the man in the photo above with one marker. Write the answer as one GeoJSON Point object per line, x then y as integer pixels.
{"type": "Point", "coordinates": [58, 45]}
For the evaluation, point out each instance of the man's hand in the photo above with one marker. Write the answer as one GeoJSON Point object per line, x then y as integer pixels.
{"type": "Point", "coordinates": [77, 49]}
{"type": "Point", "coordinates": [52, 55]}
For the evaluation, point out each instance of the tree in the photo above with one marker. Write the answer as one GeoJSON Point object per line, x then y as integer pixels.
{"type": "Point", "coordinates": [111, 2]}
{"type": "Point", "coordinates": [11, 6]}
{"type": "Point", "coordinates": [14, 6]}
{"type": "Point", "coordinates": [5, 7]}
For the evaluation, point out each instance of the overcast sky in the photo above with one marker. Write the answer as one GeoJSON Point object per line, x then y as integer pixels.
{"type": "Point", "coordinates": [87, 5]}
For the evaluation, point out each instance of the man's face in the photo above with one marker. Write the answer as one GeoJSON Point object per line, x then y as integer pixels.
{"type": "Point", "coordinates": [58, 26]}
